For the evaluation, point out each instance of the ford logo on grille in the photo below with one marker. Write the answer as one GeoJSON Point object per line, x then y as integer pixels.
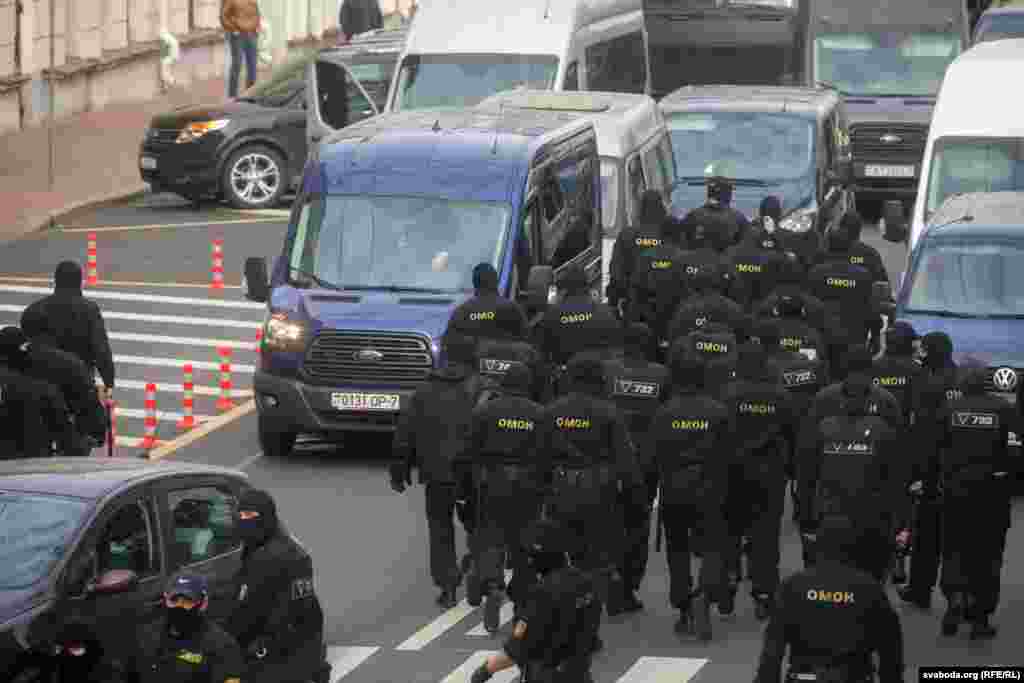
{"type": "Point", "coordinates": [368, 355]}
{"type": "Point", "coordinates": [891, 139]}
{"type": "Point", "coordinates": [1005, 379]}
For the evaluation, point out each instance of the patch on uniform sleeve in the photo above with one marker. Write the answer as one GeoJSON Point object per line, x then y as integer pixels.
{"type": "Point", "coordinates": [190, 657]}
{"type": "Point", "coordinates": [966, 420]}
{"type": "Point", "coordinates": [494, 366]}
{"type": "Point", "coordinates": [302, 588]}
{"type": "Point", "coordinates": [799, 378]}
{"type": "Point", "coordinates": [629, 387]}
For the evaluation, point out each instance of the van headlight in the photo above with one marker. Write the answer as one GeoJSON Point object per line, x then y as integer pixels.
{"type": "Point", "coordinates": [280, 333]}
{"type": "Point", "coordinates": [194, 131]}
{"type": "Point", "coordinates": [800, 221]}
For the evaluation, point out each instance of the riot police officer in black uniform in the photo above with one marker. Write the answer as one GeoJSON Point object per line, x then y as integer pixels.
{"type": "Point", "coordinates": [706, 304]}
{"type": "Point", "coordinates": [631, 242]}
{"type": "Point", "coordinates": [754, 264]}
{"type": "Point", "coordinates": [897, 372]}
{"type": "Point", "coordinates": [832, 618]}
{"type": "Point", "coordinates": [638, 387]}
{"type": "Point", "coordinates": [588, 450]}
{"type": "Point", "coordinates": [976, 483]}
{"type": "Point", "coordinates": [829, 401]}
{"type": "Point", "coordinates": [691, 438]}
{"type": "Point", "coordinates": [659, 284]}
{"type": "Point", "coordinates": [553, 637]}
{"type": "Point", "coordinates": [716, 224]}
{"type": "Point", "coordinates": [716, 348]}
{"type": "Point", "coordinates": [861, 253]}
{"type": "Point", "coordinates": [765, 429]}
{"type": "Point", "coordinates": [506, 434]}
{"type": "Point", "coordinates": [487, 313]}
{"type": "Point", "coordinates": [941, 385]}
{"type": "Point", "coordinates": [508, 348]}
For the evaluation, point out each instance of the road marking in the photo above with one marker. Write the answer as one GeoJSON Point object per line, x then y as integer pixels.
{"type": "Point", "coordinates": [662, 670]}
{"type": "Point", "coordinates": [248, 461]}
{"type": "Point", "coordinates": [283, 213]}
{"type": "Point", "coordinates": [120, 283]}
{"type": "Point", "coordinates": [438, 626]}
{"type": "Point", "coordinates": [344, 660]}
{"type": "Point", "coordinates": [170, 319]}
{"type": "Point", "coordinates": [163, 339]}
{"type": "Point", "coordinates": [462, 674]}
{"type": "Point", "coordinates": [147, 298]}
{"type": "Point", "coordinates": [179, 389]}
{"type": "Point", "coordinates": [131, 442]}
{"type": "Point", "coordinates": [161, 415]}
{"type": "Point", "coordinates": [168, 226]}
{"type": "Point", "coordinates": [202, 430]}
{"type": "Point", "coordinates": [504, 616]}
{"type": "Point", "coordinates": [175, 363]}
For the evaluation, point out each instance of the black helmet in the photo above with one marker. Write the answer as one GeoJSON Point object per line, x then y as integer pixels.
{"type": "Point", "coordinates": [545, 543]}
{"type": "Point", "coordinates": [718, 177]}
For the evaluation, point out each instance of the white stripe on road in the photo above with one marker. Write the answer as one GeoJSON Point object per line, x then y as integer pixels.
{"type": "Point", "coordinates": [463, 673]}
{"type": "Point", "coordinates": [163, 339]}
{"type": "Point", "coordinates": [175, 363]}
{"type": "Point", "coordinates": [504, 616]}
{"type": "Point", "coordinates": [122, 283]}
{"type": "Point", "coordinates": [161, 415]}
{"type": "Point", "coordinates": [170, 319]}
{"type": "Point", "coordinates": [131, 442]}
{"type": "Point", "coordinates": [148, 298]}
{"type": "Point", "coordinates": [179, 389]}
{"type": "Point", "coordinates": [662, 670]}
{"type": "Point", "coordinates": [438, 626]}
{"type": "Point", "coordinates": [344, 660]}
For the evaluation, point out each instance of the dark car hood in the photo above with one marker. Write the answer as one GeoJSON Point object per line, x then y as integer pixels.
{"type": "Point", "coordinates": [894, 110]}
{"type": "Point", "coordinates": [995, 342]}
{"type": "Point", "coordinates": [15, 602]}
{"type": "Point", "coordinates": [794, 194]}
{"type": "Point", "coordinates": [177, 119]}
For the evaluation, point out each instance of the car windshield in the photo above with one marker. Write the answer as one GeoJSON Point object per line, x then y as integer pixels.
{"type": "Point", "coordinates": [758, 146]}
{"type": "Point", "coordinates": [975, 279]}
{"type": "Point", "coordinates": [35, 531]}
{"type": "Point", "coordinates": [465, 80]}
{"type": "Point", "coordinates": [610, 188]}
{"type": "Point", "coordinates": [974, 165]}
{"type": "Point", "coordinates": [1000, 26]}
{"type": "Point", "coordinates": [398, 243]}
{"type": "Point", "coordinates": [283, 83]}
{"type": "Point", "coordinates": [884, 61]}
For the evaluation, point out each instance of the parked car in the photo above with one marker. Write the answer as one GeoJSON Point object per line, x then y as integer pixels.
{"type": "Point", "coordinates": [251, 150]}
{"type": "Point", "coordinates": [89, 544]}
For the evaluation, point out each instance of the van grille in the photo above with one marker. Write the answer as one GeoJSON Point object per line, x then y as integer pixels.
{"type": "Point", "coordinates": [332, 358]}
{"type": "Point", "coordinates": [866, 140]}
{"type": "Point", "coordinates": [162, 136]}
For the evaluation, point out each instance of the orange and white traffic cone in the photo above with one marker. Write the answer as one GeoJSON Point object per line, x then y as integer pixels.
{"type": "Point", "coordinates": [92, 276]}
{"type": "Point", "coordinates": [217, 265]}
{"type": "Point", "coordinates": [225, 402]}
{"type": "Point", "coordinates": [149, 440]}
{"type": "Point", "coordinates": [188, 421]}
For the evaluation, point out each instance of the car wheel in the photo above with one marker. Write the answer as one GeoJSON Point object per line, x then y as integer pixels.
{"type": "Point", "coordinates": [276, 444]}
{"type": "Point", "coordinates": [254, 178]}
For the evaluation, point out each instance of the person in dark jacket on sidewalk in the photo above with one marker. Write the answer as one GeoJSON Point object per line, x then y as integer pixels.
{"type": "Point", "coordinates": [433, 433]}
{"type": "Point", "coordinates": [277, 618]}
{"type": "Point", "coordinates": [35, 410]}
{"type": "Point", "coordinates": [487, 313]}
{"type": "Point", "coordinates": [77, 323]}
{"type": "Point", "coordinates": [359, 16]}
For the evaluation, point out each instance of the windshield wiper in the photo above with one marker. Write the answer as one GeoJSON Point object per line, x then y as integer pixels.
{"type": "Point", "coordinates": [830, 86]}
{"type": "Point", "coordinates": [320, 282]}
{"type": "Point", "coordinates": [695, 180]}
{"type": "Point", "coordinates": [396, 289]}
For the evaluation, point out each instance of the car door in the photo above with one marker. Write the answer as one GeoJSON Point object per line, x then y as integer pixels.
{"type": "Point", "coordinates": [291, 127]}
{"type": "Point", "coordinates": [126, 534]}
{"type": "Point", "coordinates": [198, 518]}
{"type": "Point", "coordinates": [334, 99]}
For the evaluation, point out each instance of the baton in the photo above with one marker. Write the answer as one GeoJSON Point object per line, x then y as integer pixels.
{"type": "Point", "coordinates": [657, 521]}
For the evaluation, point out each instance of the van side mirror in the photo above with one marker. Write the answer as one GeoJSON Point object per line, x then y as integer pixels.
{"type": "Point", "coordinates": [257, 283]}
{"type": "Point", "coordinates": [843, 172]}
{"type": "Point", "coordinates": [539, 283]}
{"type": "Point", "coordinates": [114, 581]}
{"type": "Point", "coordinates": [895, 221]}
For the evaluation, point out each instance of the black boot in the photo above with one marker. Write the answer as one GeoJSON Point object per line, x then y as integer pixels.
{"type": "Point", "coordinates": [982, 629]}
{"type": "Point", "coordinates": [954, 615]}
{"type": "Point", "coordinates": [492, 610]}
{"type": "Point", "coordinates": [702, 617]}
{"type": "Point", "coordinates": [684, 625]}
{"type": "Point", "coordinates": [474, 589]}
{"type": "Point", "coordinates": [762, 606]}
{"type": "Point", "coordinates": [912, 596]}
{"type": "Point", "coordinates": [447, 598]}
{"type": "Point", "coordinates": [727, 605]}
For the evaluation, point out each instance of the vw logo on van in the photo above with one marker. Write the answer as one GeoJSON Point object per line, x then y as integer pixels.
{"type": "Point", "coordinates": [368, 355]}
{"type": "Point", "coordinates": [1005, 379]}
{"type": "Point", "coordinates": [891, 139]}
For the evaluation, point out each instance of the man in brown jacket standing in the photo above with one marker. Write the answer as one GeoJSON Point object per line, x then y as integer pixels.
{"type": "Point", "coordinates": [241, 22]}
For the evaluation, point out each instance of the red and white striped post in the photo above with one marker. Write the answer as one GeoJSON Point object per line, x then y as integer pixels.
{"type": "Point", "coordinates": [188, 421]}
{"type": "Point", "coordinates": [217, 265]}
{"type": "Point", "coordinates": [225, 402]}
{"type": "Point", "coordinates": [92, 275]}
{"type": "Point", "coordinates": [149, 440]}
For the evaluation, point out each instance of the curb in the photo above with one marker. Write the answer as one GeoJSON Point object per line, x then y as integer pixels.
{"type": "Point", "coordinates": [137, 189]}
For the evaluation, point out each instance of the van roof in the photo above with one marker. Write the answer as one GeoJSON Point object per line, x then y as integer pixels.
{"type": "Point", "coordinates": [623, 122]}
{"type": "Point", "coordinates": [994, 214]}
{"type": "Point", "coordinates": [371, 46]}
{"type": "Point", "coordinates": [448, 153]}
{"type": "Point", "coordinates": [750, 98]}
{"type": "Point", "coordinates": [482, 30]}
{"type": "Point", "coordinates": [980, 80]}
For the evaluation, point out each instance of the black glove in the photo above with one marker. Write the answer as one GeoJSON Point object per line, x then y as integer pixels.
{"type": "Point", "coordinates": [400, 476]}
{"type": "Point", "coordinates": [481, 674]}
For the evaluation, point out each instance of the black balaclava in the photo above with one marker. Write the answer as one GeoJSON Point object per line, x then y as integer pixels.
{"type": "Point", "coordinates": [68, 276]}
{"type": "Point", "coordinates": [257, 531]}
{"type": "Point", "coordinates": [770, 335]}
{"type": "Point", "coordinates": [573, 280]}
{"type": "Point", "coordinates": [652, 210]}
{"type": "Point", "coordinates": [938, 351]}
{"type": "Point", "coordinates": [182, 622]}
{"type": "Point", "coordinates": [14, 347]}
{"type": "Point", "coordinates": [751, 362]}
{"type": "Point", "coordinates": [790, 306]}
{"type": "Point", "coordinates": [637, 341]}
{"type": "Point", "coordinates": [899, 340]}
{"type": "Point", "coordinates": [839, 240]}
{"type": "Point", "coordinates": [35, 324]}
{"type": "Point", "coordinates": [485, 279]}
{"type": "Point", "coordinates": [856, 394]}
{"type": "Point", "coordinates": [545, 545]}
{"type": "Point", "coordinates": [459, 349]}
{"type": "Point", "coordinates": [719, 192]}
{"type": "Point", "coordinates": [791, 271]}
{"type": "Point", "coordinates": [857, 359]}
{"type": "Point", "coordinates": [837, 540]}
{"type": "Point", "coordinates": [586, 376]}
{"type": "Point", "coordinates": [771, 215]}
{"type": "Point", "coordinates": [853, 224]}
{"type": "Point", "coordinates": [518, 380]}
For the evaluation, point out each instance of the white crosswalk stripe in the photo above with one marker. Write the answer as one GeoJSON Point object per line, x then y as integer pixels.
{"type": "Point", "coordinates": [145, 298]}
{"type": "Point", "coordinates": [466, 669]}
{"type": "Point", "coordinates": [154, 318]}
{"type": "Point", "coordinates": [345, 660]}
{"type": "Point", "coordinates": [177, 388]}
{"type": "Point", "coordinates": [662, 670]}
{"type": "Point", "coordinates": [114, 335]}
{"type": "Point", "coordinates": [437, 627]}
{"type": "Point", "coordinates": [180, 363]}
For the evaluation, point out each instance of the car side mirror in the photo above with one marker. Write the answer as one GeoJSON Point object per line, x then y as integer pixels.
{"type": "Point", "coordinates": [895, 221]}
{"type": "Point", "coordinates": [114, 581]}
{"type": "Point", "coordinates": [843, 172]}
{"type": "Point", "coordinates": [257, 283]}
{"type": "Point", "coordinates": [538, 285]}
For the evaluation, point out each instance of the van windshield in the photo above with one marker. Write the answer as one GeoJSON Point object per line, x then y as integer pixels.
{"type": "Point", "coordinates": [398, 243]}
{"type": "Point", "coordinates": [999, 26]}
{"type": "Point", "coordinates": [427, 81]}
{"type": "Point", "coordinates": [759, 146]}
{"type": "Point", "coordinates": [885, 62]}
{"type": "Point", "coordinates": [974, 165]}
{"type": "Point", "coordinates": [35, 532]}
{"type": "Point", "coordinates": [972, 279]}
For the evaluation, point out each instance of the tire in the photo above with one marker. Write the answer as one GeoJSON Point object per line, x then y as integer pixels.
{"type": "Point", "coordinates": [254, 177]}
{"type": "Point", "coordinates": [276, 444]}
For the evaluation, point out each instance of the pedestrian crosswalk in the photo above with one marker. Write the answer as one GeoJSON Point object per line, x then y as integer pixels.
{"type": "Point", "coordinates": [153, 337]}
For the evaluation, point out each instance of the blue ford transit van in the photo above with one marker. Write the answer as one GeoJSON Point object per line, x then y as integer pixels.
{"type": "Point", "coordinates": [393, 214]}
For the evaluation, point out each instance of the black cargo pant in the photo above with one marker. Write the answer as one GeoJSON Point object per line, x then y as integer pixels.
{"type": "Point", "coordinates": [509, 502]}
{"type": "Point", "coordinates": [692, 514]}
{"type": "Point", "coordinates": [757, 499]}
{"type": "Point", "coordinates": [927, 545]}
{"type": "Point", "coordinates": [636, 522]}
{"type": "Point", "coordinates": [976, 520]}
{"type": "Point", "coordinates": [442, 500]}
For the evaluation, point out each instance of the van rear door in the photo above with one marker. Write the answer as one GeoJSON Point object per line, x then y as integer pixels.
{"type": "Point", "coordinates": [334, 98]}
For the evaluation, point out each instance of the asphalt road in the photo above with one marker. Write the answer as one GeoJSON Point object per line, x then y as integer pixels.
{"type": "Point", "coordinates": [369, 544]}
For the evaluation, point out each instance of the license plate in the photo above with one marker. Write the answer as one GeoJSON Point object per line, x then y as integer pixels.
{"type": "Point", "coordinates": [147, 163]}
{"type": "Point", "coordinates": [878, 171]}
{"type": "Point", "coordinates": [346, 401]}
